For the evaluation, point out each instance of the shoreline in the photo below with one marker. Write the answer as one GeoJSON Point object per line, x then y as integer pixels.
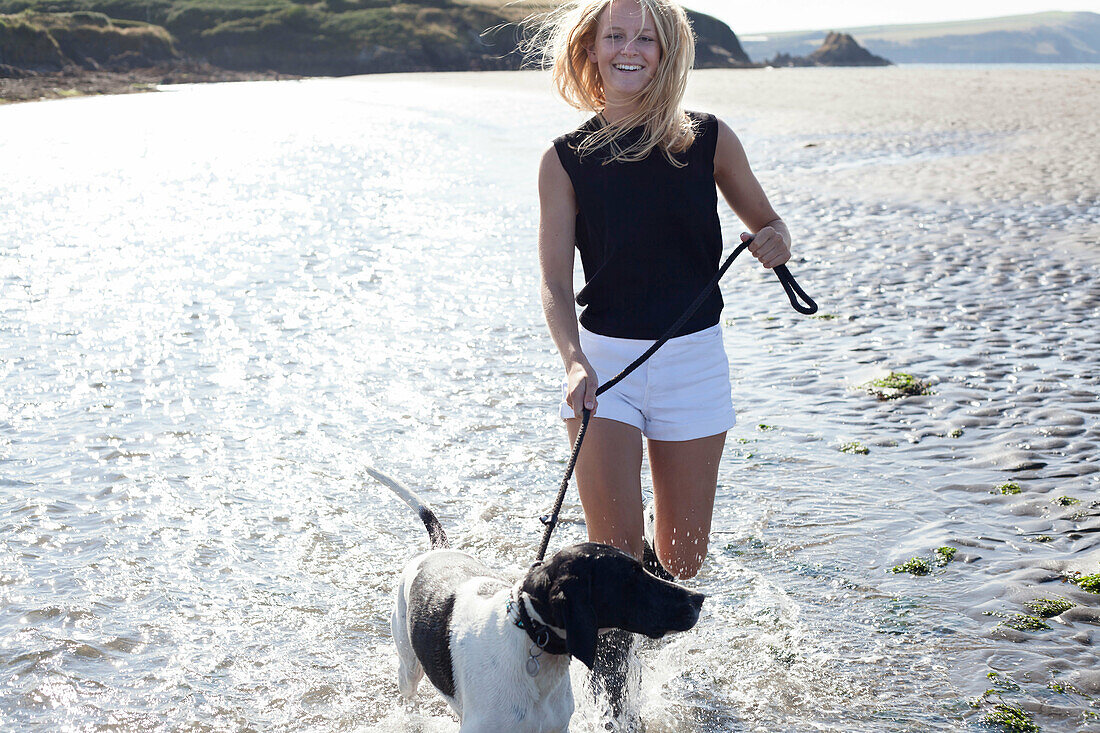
{"type": "Point", "coordinates": [77, 82]}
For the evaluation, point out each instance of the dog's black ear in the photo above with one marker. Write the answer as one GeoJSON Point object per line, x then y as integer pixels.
{"type": "Point", "coordinates": [572, 602]}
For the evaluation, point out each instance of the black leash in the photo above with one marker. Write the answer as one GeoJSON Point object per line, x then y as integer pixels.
{"type": "Point", "coordinates": [794, 292]}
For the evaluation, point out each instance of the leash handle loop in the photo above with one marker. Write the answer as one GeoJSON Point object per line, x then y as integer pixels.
{"type": "Point", "coordinates": [794, 291]}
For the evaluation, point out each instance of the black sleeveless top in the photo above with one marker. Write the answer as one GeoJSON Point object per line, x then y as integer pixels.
{"type": "Point", "coordinates": [648, 234]}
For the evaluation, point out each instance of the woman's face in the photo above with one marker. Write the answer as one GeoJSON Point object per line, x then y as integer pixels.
{"type": "Point", "coordinates": [626, 49]}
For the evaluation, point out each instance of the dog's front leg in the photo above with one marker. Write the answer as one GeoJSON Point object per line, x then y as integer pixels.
{"type": "Point", "coordinates": [514, 704]}
{"type": "Point", "coordinates": [557, 705]}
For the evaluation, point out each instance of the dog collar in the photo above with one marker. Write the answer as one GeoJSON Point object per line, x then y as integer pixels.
{"type": "Point", "coordinates": [542, 636]}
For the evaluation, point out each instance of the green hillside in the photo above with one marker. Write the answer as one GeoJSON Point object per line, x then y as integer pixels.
{"type": "Point", "coordinates": [1054, 37]}
{"type": "Point", "coordinates": [329, 37]}
{"type": "Point", "coordinates": [52, 40]}
{"type": "Point", "coordinates": [311, 37]}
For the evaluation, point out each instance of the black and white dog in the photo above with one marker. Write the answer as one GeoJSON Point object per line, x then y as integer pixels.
{"type": "Point", "coordinates": [499, 651]}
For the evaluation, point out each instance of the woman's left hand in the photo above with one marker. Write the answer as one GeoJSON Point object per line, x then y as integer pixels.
{"type": "Point", "coordinates": [770, 246]}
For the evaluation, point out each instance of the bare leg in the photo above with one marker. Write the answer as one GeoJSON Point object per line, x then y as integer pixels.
{"type": "Point", "coordinates": [685, 476]}
{"type": "Point", "coordinates": [609, 481]}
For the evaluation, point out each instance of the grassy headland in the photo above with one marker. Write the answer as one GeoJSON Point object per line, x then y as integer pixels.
{"type": "Point", "coordinates": [295, 37]}
{"type": "Point", "coordinates": [324, 38]}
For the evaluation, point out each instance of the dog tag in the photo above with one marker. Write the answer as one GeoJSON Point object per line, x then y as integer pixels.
{"type": "Point", "coordinates": [532, 666]}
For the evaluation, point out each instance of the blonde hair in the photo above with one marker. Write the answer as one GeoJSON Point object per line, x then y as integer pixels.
{"type": "Point", "coordinates": [562, 39]}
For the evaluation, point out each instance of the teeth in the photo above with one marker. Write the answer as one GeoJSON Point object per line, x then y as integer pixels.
{"type": "Point", "coordinates": [627, 67]}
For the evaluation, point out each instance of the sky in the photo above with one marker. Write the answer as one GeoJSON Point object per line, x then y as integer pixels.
{"type": "Point", "coordinates": [747, 18]}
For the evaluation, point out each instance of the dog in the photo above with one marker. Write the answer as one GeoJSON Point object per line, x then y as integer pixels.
{"type": "Point", "coordinates": [499, 651]}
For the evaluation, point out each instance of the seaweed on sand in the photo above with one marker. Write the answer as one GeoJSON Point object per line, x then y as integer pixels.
{"type": "Point", "coordinates": [1007, 717]}
{"type": "Point", "coordinates": [1019, 621]}
{"type": "Point", "coordinates": [896, 385]}
{"type": "Point", "coordinates": [1048, 607]}
{"type": "Point", "coordinates": [916, 566]}
{"type": "Point", "coordinates": [1011, 718]}
{"type": "Point", "coordinates": [1090, 583]}
{"type": "Point", "coordinates": [922, 566]}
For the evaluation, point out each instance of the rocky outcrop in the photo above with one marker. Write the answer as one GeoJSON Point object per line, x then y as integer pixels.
{"type": "Point", "coordinates": [839, 49]}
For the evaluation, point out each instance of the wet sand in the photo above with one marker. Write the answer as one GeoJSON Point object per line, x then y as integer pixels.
{"type": "Point", "coordinates": [950, 221]}
{"type": "Point", "coordinates": [951, 136]}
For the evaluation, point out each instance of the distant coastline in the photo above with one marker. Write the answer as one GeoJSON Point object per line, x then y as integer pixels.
{"type": "Point", "coordinates": [1054, 37]}
{"type": "Point", "coordinates": [1019, 66]}
{"type": "Point", "coordinates": [61, 48]}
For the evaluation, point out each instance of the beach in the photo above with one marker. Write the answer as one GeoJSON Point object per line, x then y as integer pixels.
{"type": "Point", "coordinates": [219, 302]}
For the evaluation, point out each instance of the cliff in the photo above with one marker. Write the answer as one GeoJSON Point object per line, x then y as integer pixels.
{"type": "Point", "coordinates": [717, 46]}
{"type": "Point", "coordinates": [55, 41]}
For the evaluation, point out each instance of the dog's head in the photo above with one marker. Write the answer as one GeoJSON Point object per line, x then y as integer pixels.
{"type": "Point", "coordinates": [590, 586]}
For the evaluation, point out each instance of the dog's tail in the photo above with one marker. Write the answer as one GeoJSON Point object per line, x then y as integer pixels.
{"type": "Point", "coordinates": [435, 530]}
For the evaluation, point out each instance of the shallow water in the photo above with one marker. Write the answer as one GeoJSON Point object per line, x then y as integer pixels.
{"type": "Point", "coordinates": [218, 303]}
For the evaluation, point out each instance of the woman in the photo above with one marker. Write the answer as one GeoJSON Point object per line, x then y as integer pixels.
{"type": "Point", "coordinates": [633, 189]}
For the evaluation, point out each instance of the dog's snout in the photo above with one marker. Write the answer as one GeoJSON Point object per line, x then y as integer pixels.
{"type": "Point", "coordinates": [690, 608]}
{"type": "Point", "coordinates": [695, 606]}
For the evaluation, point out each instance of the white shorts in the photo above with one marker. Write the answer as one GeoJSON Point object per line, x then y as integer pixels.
{"type": "Point", "coordinates": [681, 393]}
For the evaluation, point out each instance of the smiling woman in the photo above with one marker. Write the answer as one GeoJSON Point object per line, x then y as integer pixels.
{"type": "Point", "coordinates": [634, 190]}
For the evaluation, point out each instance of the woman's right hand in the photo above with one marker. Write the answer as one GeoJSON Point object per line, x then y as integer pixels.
{"type": "Point", "coordinates": [581, 385]}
